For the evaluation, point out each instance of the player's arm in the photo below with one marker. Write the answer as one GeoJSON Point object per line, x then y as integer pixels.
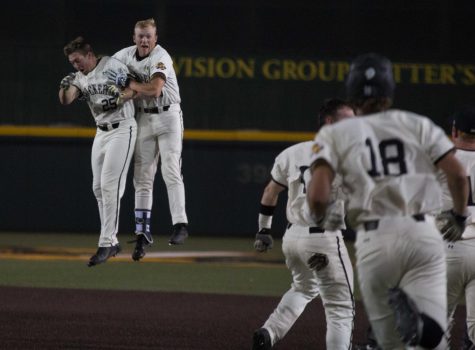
{"type": "Point", "coordinates": [153, 88]}
{"type": "Point", "coordinates": [67, 92]}
{"type": "Point", "coordinates": [320, 186]}
{"type": "Point", "coordinates": [456, 180]}
{"type": "Point", "coordinates": [451, 223]}
{"type": "Point", "coordinates": [269, 199]}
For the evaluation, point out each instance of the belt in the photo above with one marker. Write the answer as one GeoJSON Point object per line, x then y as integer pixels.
{"type": "Point", "coordinates": [310, 229]}
{"type": "Point", "coordinates": [107, 127]}
{"type": "Point", "coordinates": [153, 110]}
{"type": "Point", "coordinates": [373, 224]}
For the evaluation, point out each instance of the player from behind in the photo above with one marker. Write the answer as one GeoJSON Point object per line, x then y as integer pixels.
{"type": "Point", "coordinates": [388, 161]}
{"type": "Point", "coordinates": [317, 257]}
{"type": "Point", "coordinates": [461, 251]}
{"type": "Point", "coordinates": [160, 131]}
{"type": "Point", "coordinates": [115, 136]}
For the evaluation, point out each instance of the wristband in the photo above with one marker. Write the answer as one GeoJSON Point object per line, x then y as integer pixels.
{"type": "Point", "coordinates": [265, 221]}
{"type": "Point", "coordinates": [267, 210]}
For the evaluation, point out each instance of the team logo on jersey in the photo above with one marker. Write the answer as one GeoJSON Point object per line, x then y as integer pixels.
{"type": "Point", "coordinates": [161, 66]}
{"type": "Point", "coordinates": [316, 148]}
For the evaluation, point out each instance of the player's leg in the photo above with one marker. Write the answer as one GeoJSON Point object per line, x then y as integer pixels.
{"type": "Point", "coordinates": [120, 148]}
{"type": "Point", "coordinates": [145, 166]}
{"type": "Point", "coordinates": [170, 148]}
{"type": "Point", "coordinates": [335, 282]}
{"type": "Point", "coordinates": [469, 247]}
{"type": "Point", "coordinates": [424, 282]}
{"type": "Point", "coordinates": [455, 281]}
{"type": "Point", "coordinates": [303, 289]}
{"type": "Point", "coordinates": [97, 160]}
{"type": "Point", "coordinates": [378, 271]}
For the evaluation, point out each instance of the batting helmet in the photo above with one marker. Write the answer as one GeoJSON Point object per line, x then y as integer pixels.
{"type": "Point", "coordinates": [370, 75]}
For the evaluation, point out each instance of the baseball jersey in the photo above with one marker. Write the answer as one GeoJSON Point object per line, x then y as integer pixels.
{"type": "Point", "coordinates": [158, 61]}
{"type": "Point", "coordinates": [387, 162]}
{"type": "Point", "coordinates": [467, 158]}
{"type": "Point", "coordinates": [94, 88]}
{"type": "Point", "coordinates": [292, 170]}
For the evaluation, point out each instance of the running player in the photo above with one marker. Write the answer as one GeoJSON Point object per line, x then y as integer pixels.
{"type": "Point", "coordinates": [460, 253]}
{"type": "Point", "coordinates": [115, 137]}
{"type": "Point", "coordinates": [160, 131]}
{"type": "Point", "coordinates": [317, 258]}
{"type": "Point", "coordinates": [388, 161]}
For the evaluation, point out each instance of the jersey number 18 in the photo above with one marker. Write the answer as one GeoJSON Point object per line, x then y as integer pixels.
{"type": "Point", "coordinates": [396, 157]}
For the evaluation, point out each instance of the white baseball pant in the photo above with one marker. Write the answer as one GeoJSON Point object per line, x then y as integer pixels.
{"type": "Point", "coordinates": [160, 135]}
{"type": "Point", "coordinates": [334, 282]}
{"type": "Point", "coordinates": [409, 254]}
{"type": "Point", "coordinates": [461, 280]}
{"type": "Point", "coordinates": [110, 160]}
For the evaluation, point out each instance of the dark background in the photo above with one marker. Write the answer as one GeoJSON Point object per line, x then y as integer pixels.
{"type": "Point", "coordinates": [33, 34]}
{"type": "Point", "coordinates": [46, 183]}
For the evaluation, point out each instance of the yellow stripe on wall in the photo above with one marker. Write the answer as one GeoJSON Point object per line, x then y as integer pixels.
{"type": "Point", "coordinates": [198, 135]}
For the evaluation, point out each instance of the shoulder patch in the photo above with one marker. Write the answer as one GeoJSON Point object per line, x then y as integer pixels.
{"type": "Point", "coordinates": [161, 66]}
{"type": "Point", "coordinates": [316, 148]}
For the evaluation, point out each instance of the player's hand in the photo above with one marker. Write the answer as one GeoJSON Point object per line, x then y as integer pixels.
{"type": "Point", "coordinates": [120, 79]}
{"type": "Point", "coordinates": [66, 81]}
{"type": "Point", "coordinates": [263, 240]}
{"type": "Point", "coordinates": [451, 225]}
{"type": "Point", "coordinates": [334, 218]}
{"type": "Point", "coordinates": [318, 261]}
{"type": "Point", "coordinates": [119, 95]}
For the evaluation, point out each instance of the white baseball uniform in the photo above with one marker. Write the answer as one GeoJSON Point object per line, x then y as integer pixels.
{"type": "Point", "coordinates": [461, 254]}
{"type": "Point", "coordinates": [160, 132]}
{"type": "Point", "coordinates": [301, 240]}
{"type": "Point", "coordinates": [113, 144]}
{"type": "Point", "coordinates": [387, 163]}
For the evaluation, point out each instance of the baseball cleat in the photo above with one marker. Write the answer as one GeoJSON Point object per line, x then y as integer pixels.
{"type": "Point", "coordinates": [408, 319]}
{"type": "Point", "coordinates": [261, 340]}
{"type": "Point", "coordinates": [102, 254]}
{"type": "Point", "coordinates": [139, 251]}
{"type": "Point", "coordinates": [180, 233]}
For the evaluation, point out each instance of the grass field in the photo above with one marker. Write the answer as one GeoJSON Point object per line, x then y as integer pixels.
{"type": "Point", "coordinates": [59, 260]}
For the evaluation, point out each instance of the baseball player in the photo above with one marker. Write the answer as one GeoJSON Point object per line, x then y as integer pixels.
{"type": "Point", "coordinates": [317, 258]}
{"type": "Point", "coordinates": [460, 259]}
{"type": "Point", "coordinates": [388, 162]}
{"type": "Point", "coordinates": [160, 131]}
{"type": "Point", "coordinates": [460, 253]}
{"type": "Point", "coordinates": [115, 137]}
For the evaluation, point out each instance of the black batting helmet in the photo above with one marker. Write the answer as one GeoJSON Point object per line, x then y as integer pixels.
{"type": "Point", "coordinates": [370, 75]}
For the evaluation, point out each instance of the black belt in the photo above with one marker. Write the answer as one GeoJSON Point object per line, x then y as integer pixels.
{"type": "Point", "coordinates": [107, 127]}
{"type": "Point", "coordinates": [310, 229]}
{"type": "Point", "coordinates": [373, 224]}
{"type": "Point", "coordinates": [153, 110]}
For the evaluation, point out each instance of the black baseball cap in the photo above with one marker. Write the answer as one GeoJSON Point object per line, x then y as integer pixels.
{"type": "Point", "coordinates": [464, 120]}
{"type": "Point", "coordinates": [370, 75]}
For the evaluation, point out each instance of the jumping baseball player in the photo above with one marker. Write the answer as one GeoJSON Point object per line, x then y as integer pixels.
{"type": "Point", "coordinates": [160, 131]}
{"type": "Point", "coordinates": [461, 253]}
{"type": "Point", "coordinates": [388, 162]}
{"type": "Point", "coordinates": [317, 258]}
{"type": "Point", "coordinates": [115, 137]}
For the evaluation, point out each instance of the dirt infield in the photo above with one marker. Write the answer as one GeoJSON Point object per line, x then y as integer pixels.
{"type": "Point", "coordinates": [85, 319]}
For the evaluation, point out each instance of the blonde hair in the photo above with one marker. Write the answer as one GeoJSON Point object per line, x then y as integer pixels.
{"type": "Point", "coordinates": [145, 23]}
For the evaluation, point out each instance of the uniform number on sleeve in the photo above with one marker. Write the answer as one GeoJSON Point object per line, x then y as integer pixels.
{"type": "Point", "coordinates": [391, 152]}
{"type": "Point", "coordinates": [109, 103]}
